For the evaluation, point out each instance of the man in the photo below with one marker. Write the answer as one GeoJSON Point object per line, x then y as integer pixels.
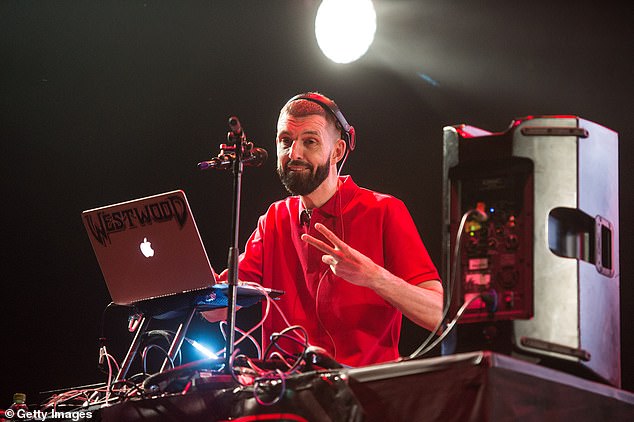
{"type": "Point", "coordinates": [350, 260]}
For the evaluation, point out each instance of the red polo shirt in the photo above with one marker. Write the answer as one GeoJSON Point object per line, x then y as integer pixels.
{"type": "Point", "coordinates": [353, 323]}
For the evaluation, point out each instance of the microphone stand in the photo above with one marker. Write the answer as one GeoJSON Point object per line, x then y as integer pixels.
{"type": "Point", "coordinates": [236, 137]}
{"type": "Point", "coordinates": [231, 156]}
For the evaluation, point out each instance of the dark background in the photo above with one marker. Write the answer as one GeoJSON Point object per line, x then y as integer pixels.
{"type": "Point", "coordinates": [105, 101]}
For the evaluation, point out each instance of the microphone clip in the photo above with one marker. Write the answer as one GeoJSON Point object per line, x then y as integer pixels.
{"type": "Point", "coordinates": [237, 149]}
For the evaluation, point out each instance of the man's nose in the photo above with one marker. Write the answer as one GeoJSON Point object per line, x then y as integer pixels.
{"type": "Point", "coordinates": [295, 151]}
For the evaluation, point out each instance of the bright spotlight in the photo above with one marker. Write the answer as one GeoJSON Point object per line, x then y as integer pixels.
{"type": "Point", "coordinates": [345, 28]}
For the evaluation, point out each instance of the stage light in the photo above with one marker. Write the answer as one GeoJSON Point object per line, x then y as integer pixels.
{"type": "Point", "coordinates": [345, 28]}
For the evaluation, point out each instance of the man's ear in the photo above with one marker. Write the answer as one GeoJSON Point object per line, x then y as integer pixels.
{"type": "Point", "coordinates": [338, 151]}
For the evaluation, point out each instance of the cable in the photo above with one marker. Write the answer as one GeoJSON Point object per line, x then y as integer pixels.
{"type": "Point", "coordinates": [109, 359]}
{"type": "Point", "coordinates": [343, 161]}
{"type": "Point", "coordinates": [284, 318]}
{"type": "Point", "coordinates": [103, 353]}
{"type": "Point", "coordinates": [284, 334]}
{"type": "Point", "coordinates": [245, 334]}
{"type": "Point", "coordinates": [275, 337]}
{"type": "Point", "coordinates": [343, 239]}
{"type": "Point", "coordinates": [271, 380]}
{"type": "Point", "coordinates": [103, 319]}
{"type": "Point", "coordinates": [248, 333]}
{"type": "Point", "coordinates": [452, 281]}
{"type": "Point", "coordinates": [134, 387]}
{"type": "Point", "coordinates": [450, 325]}
{"type": "Point", "coordinates": [167, 336]}
{"type": "Point", "coordinates": [279, 310]}
{"type": "Point", "coordinates": [100, 394]}
{"type": "Point", "coordinates": [256, 374]}
{"type": "Point", "coordinates": [332, 340]}
{"type": "Point", "coordinates": [281, 358]}
{"type": "Point", "coordinates": [154, 346]}
{"type": "Point", "coordinates": [80, 398]}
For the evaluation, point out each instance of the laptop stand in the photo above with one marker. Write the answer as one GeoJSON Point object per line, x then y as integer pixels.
{"type": "Point", "coordinates": [184, 306]}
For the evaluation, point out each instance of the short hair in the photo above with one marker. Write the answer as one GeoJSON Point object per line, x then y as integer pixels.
{"type": "Point", "coordinates": [303, 108]}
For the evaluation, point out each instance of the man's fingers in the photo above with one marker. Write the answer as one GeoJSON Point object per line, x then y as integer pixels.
{"type": "Point", "coordinates": [329, 235]}
{"type": "Point", "coordinates": [322, 246]}
{"type": "Point", "coordinates": [329, 260]}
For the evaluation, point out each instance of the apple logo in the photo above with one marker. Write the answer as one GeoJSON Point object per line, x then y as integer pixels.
{"type": "Point", "coordinates": [146, 248]}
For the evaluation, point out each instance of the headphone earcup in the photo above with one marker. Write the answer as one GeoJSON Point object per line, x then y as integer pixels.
{"type": "Point", "coordinates": [351, 138]}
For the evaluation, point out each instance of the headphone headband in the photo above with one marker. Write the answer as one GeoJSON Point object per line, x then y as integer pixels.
{"type": "Point", "coordinates": [331, 107]}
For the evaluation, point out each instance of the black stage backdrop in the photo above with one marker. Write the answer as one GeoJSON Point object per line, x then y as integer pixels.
{"type": "Point", "coordinates": [105, 101]}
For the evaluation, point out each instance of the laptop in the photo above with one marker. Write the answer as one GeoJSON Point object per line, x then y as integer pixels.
{"type": "Point", "coordinates": [149, 248]}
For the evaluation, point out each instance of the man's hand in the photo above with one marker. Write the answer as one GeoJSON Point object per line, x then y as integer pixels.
{"type": "Point", "coordinates": [215, 315]}
{"type": "Point", "coordinates": [345, 261]}
{"type": "Point", "coordinates": [421, 303]}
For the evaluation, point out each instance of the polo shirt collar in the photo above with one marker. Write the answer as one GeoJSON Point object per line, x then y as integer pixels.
{"type": "Point", "coordinates": [338, 202]}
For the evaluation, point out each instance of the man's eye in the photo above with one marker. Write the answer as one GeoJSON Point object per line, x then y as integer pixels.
{"type": "Point", "coordinates": [285, 142]}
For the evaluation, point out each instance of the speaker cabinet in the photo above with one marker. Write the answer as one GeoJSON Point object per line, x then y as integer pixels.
{"type": "Point", "coordinates": [536, 268]}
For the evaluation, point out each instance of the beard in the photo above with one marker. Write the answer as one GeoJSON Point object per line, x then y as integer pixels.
{"type": "Point", "coordinates": [303, 183]}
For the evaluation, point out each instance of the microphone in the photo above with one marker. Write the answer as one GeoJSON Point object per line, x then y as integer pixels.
{"type": "Point", "coordinates": [250, 156]}
{"type": "Point", "coordinates": [254, 157]}
{"type": "Point", "coordinates": [236, 127]}
{"type": "Point", "coordinates": [222, 162]}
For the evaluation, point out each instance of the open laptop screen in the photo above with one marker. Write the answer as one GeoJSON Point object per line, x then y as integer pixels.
{"type": "Point", "coordinates": [148, 248]}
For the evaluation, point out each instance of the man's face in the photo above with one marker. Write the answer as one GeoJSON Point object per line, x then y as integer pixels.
{"type": "Point", "coordinates": [304, 148]}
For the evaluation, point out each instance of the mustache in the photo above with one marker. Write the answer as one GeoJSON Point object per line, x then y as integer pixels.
{"type": "Point", "coordinates": [297, 163]}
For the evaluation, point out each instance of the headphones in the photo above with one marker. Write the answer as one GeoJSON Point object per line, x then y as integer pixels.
{"type": "Point", "coordinates": [332, 108]}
